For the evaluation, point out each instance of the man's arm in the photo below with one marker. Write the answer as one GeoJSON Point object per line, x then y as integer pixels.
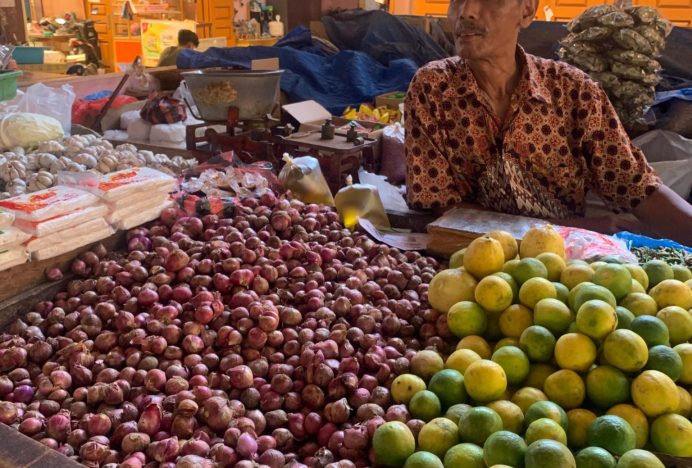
{"type": "Point", "coordinates": [667, 214]}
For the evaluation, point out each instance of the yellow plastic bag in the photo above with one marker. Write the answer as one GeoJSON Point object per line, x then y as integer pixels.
{"type": "Point", "coordinates": [303, 176]}
{"type": "Point", "coordinates": [360, 201]}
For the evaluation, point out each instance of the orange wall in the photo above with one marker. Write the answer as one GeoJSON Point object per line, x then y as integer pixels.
{"type": "Point", "coordinates": [55, 8]}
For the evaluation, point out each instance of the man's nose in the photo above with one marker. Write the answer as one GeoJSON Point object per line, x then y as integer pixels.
{"type": "Point", "coordinates": [469, 9]}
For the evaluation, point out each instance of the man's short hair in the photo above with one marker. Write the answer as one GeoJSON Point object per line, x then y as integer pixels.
{"type": "Point", "coordinates": [185, 36]}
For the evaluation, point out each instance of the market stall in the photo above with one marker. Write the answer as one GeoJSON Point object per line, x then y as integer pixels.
{"type": "Point", "coordinates": [247, 287]}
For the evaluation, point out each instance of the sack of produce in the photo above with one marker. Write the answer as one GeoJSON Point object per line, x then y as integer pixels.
{"type": "Point", "coordinates": [23, 129]}
{"type": "Point", "coordinates": [619, 47]}
{"type": "Point", "coordinates": [303, 176]}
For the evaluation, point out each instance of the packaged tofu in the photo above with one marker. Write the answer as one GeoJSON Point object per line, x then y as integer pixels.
{"type": "Point", "coordinates": [12, 257]}
{"type": "Point", "coordinates": [12, 236]}
{"type": "Point", "coordinates": [49, 203]}
{"type": "Point", "coordinates": [72, 244]}
{"type": "Point", "coordinates": [115, 185]}
{"type": "Point", "coordinates": [95, 225]}
{"type": "Point", "coordinates": [59, 223]}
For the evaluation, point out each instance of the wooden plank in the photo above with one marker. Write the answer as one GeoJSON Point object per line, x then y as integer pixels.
{"type": "Point", "coordinates": [18, 451]}
{"type": "Point", "coordinates": [23, 277]}
{"type": "Point", "coordinates": [26, 301]}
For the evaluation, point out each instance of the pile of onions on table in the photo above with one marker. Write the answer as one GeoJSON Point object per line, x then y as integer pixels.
{"type": "Point", "coordinates": [269, 338]}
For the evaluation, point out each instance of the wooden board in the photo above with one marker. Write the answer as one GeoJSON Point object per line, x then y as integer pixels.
{"type": "Point", "coordinates": [21, 278]}
{"type": "Point", "coordinates": [20, 451]}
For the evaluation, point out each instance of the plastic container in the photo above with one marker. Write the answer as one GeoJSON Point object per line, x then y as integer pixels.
{"type": "Point", "coordinates": [28, 55]}
{"type": "Point", "coordinates": [8, 84]}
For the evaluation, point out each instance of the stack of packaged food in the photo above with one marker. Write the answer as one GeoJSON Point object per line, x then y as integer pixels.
{"type": "Point", "coordinates": [12, 252]}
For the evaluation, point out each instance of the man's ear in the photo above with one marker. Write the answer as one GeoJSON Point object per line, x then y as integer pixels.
{"type": "Point", "coordinates": [528, 12]}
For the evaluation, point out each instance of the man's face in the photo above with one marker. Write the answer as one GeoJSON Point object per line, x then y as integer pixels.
{"type": "Point", "coordinates": [483, 28]}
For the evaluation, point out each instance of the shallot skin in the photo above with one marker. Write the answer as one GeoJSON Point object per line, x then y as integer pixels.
{"type": "Point", "coordinates": [269, 336]}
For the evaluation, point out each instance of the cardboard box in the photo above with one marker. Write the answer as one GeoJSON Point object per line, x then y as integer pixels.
{"type": "Point", "coordinates": [391, 100]}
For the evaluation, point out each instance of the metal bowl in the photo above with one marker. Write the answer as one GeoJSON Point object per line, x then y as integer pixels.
{"type": "Point", "coordinates": [213, 91]}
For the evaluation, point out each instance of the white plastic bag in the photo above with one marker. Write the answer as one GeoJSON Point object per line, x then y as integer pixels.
{"type": "Point", "coordinates": [11, 236]}
{"type": "Point", "coordinates": [24, 129]}
{"type": "Point", "coordinates": [12, 257]}
{"type": "Point", "coordinates": [582, 244]}
{"type": "Point", "coordinates": [6, 219]}
{"type": "Point", "coordinates": [48, 203]}
{"type": "Point", "coordinates": [72, 244]}
{"type": "Point", "coordinates": [128, 117]}
{"type": "Point", "coordinates": [393, 154]}
{"type": "Point", "coordinates": [149, 204]}
{"type": "Point", "coordinates": [168, 133]}
{"type": "Point", "coordinates": [138, 130]}
{"type": "Point", "coordinates": [142, 217]}
{"type": "Point", "coordinates": [37, 243]}
{"type": "Point", "coordinates": [115, 185]}
{"type": "Point", "coordinates": [66, 221]}
{"type": "Point", "coordinates": [53, 102]}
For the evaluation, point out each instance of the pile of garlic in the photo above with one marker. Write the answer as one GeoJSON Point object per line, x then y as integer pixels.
{"type": "Point", "coordinates": [25, 171]}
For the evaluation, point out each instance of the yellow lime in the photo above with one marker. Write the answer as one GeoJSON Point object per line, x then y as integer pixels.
{"type": "Point", "coordinates": [616, 278]}
{"type": "Point", "coordinates": [509, 267]}
{"type": "Point", "coordinates": [607, 386]}
{"type": "Point", "coordinates": [393, 443]}
{"type": "Point", "coordinates": [562, 292]}
{"type": "Point", "coordinates": [405, 386]}
{"type": "Point", "coordinates": [545, 428]}
{"type": "Point", "coordinates": [527, 396]}
{"type": "Point", "coordinates": [457, 259]}
{"type": "Point", "coordinates": [454, 412]}
{"type": "Point", "coordinates": [575, 351]}
{"type": "Point", "coordinates": [508, 242]}
{"type": "Point", "coordinates": [554, 263]}
{"type": "Point", "coordinates": [460, 359]}
{"type": "Point", "coordinates": [576, 274]}
{"type": "Point", "coordinates": [484, 256]}
{"type": "Point", "coordinates": [595, 457]}
{"type": "Point", "coordinates": [638, 458]}
{"type": "Point", "coordinates": [423, 460]}
{"type": "Point", "coordinates": [494, 294]}
{"type": "Point", "coordinates": [515, 319]}
{"type": "Point", "coordinates": [477, 344]}
{"type": "Point", "coordinates": [449, 287]}
{"type": "Point", "coordinates": [596, 319]}
{"type": "Point", "coordinates": [625, 317]}
{"type": "Point", "coordinates": [638, 274]}
{"type": "Point", "coordinates": [546, 409]}
{"type": "Point", "coordinates": [540, 239]}
{"type": "Point", "coordinates": [588, 291]}
{"type": "Point", "coordinates": [637, 287]}
{"type": "Point", "coordinates": [485, 380]}
{"type": "Point", "coordinates": [665, 359]}
{"type": "Point", "coordinates": [538, 343]}
{"type": "Point", "coordinates": [566, 388]}
{"type": "Point", "coordinates": [625, 350]}
{"type": "Point", "coordinates": [425, 405]}
{"type": "Point", "coordinates": [672, 293]}
{"type": "Point", "coordinates": [492, 331]}
{"type": "Point", "coordinates": [535, 289]}
{"type": "Point", "coordinates": [466, 455]}
{"type": "Point", "coordinates": [538, 373]}
{"type": "Point", "coordinates": [639, 304]}
{"type": "Point", "coordinates": [438, 436]}
{"type": "Point", "coordinates": [685, 406]}
{"type": "Point", "coordinates": [504, 447]}
{"type": "Point", "coordinates": [510, 280]}
{"type": "Point", "coordinates": [553, 315]}
{"type": "Point", "coordinates": [514, 362]}
{"type": "Point", "coordinates": [578, 422]}
{"type": "Point", "coordinates": [652, 329]}
{"type": "Point", "coordinates": [478, 423]}
{"type": "Point", "coordinates": [549, 454]}
{"type": "Point", "coordinates": [426, 363]}
{"type": "Point", "coordinates": [636, 419]}
{"type": "Point", "coordinates": [528, 268]}
{"type": "Point", "coordinates": [684, 350]}
{"type": "Point", "coordinates": [508, 341]}
{"type": "Point", "coordinates": [512, 416]}
{"type": "Point", "coordinates": [679, 323]}
{"type": "Point", "coordinates": [681, 273]}
{"type": "Point", "coordinates": [448, 385]}
{"type": "Point", "coordinates": [657, 271]}
{"type": "Point", "coordinates": [467, 318]}
{"type": "Point", "coordinates": [611, 433]}
{"type": "Point", "coordinates": [672, 435]}
{"type": "Point", "coordinates": [655, 393]}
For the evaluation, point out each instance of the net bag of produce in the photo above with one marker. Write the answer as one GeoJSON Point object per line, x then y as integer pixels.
{"type": "Point", "coordinates": [303, 176]}
{"type": "Point", "coordinates": [619, 46]}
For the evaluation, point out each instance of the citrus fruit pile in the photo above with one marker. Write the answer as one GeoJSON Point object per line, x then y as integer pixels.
{"type": "Point", "coordinates": [559, 363]}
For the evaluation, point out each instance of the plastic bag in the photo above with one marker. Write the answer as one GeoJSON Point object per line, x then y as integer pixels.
{"type": "Point", "coordinates": [22, 129]}
{"type": "Point", "coordinates": [632, 40]}
{"type": "Point", "coordinates": [139, 130]}
{"type": "Point", "coordinates": [360, 201]}
{"type": "Point", "coordinates": [53, 225]}
{"type": "Point", "coordinates": [142, 217]}
{"type": "Point", "coordinates": [49, 203]}
{"type": "Point", "coordinates": [582, 244]}
{"type": "Point", "coordinates": [303, 176]}
{"type": "Point", "coordinates": [149, 204]}
{"type": "Point", "coordinates": [72, 244]}
{"type": "Point", "coordinates": [37, 243]}
{"type": "Point", "coordinates": [115, 185]}
{"type": "Point", "coordinates": [140, 83]}
{"type": "Point", "coordinates": [12, 257]}
{"type": "Point", "coordinates": [12, 236]}
{"type": "Point", "coordinates": [394, 153]}
{"type": "Point", "coordinates": [53, 102]}
{"type": "Point", "coordinates": [6, 219]}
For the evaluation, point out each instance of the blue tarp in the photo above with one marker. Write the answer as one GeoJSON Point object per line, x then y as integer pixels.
{"type": "Point", "coordinates": [637, 240]}
{"type": "Point", "coordinates": [348, 78]}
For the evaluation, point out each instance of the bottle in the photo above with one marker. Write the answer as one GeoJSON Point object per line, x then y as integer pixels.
{"type": "Point", "coordinates": [276, 27]}
{"type": "Point", "coordinates": [328, 130]}
{"type": "Point", "coordinates": [360, 201]}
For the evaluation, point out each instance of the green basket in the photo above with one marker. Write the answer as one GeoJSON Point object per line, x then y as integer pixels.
{"type": "Point", "coordinates": [8, 84]}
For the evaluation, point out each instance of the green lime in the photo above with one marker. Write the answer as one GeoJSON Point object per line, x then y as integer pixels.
{"type": "Point", "coordinates": [546, 409]}
{"type": "Point", "coordinates": [423, 460]}
{"type": "Point", "coordinates": [666, 360]}
{"type": "Point", "coordinates": [477, 424]}
{"type": "Point", "coordinates": [595, 457]}
{"type": "Point", "coordinates": [625, 317]}
{"type": "Point", "coordinates": [548, 453]}
{"type": "Point", "coordinates": [514, 362]}
{"type": "Point", "coordinates": [538, 343]}
{"type": "Point", "coordinates": [425, 405]}
{"type": "Point", "coordinates": [652, 329]}
{"type": "Point", "coordinates": [611, 433]}
{"type": "Point", "coordinates": [528, 268]}
{"type": "Point", "coordinates": [464, 455]}
{"type": "Point", "coordinates": [448, 385]}
{"type": "Point", "coordinates": [504, 448]}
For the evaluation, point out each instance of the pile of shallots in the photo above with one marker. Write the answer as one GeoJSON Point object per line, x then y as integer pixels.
{"type": "Point", "coordinates": [269, 338]}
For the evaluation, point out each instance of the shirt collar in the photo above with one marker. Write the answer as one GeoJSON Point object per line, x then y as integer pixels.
{"type": "Point", "coordinates": [531, 84]}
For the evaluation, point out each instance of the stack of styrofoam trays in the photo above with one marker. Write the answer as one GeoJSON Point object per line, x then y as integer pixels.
{"type": "Point", "coordinates": [58, 220]}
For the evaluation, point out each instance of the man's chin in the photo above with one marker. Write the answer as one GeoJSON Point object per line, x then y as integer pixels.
{"type": "Point", "coordinates": [468, 53]}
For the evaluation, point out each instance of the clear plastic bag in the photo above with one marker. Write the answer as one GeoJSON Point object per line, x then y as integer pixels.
{"type": "Point", "coordinates": [115, 185]}
{"type": "Point", "coordinates": [49, 203]}
{"type": "Point", "coordinates": [53, 225]}
{"type": "Point", "coordinates": [303, 176]}
{"type": "Point", "coordinates": [582, 244]}
{"type": "Point", "coordinates": [53, 102]}
{"type": "Point", "coordinates": [360, 201]}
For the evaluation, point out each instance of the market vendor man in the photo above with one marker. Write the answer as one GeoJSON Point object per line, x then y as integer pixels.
{"type": "Point", "coordinates": [525, 135]}
{"type": "Point", "coordinates": [186, 40]}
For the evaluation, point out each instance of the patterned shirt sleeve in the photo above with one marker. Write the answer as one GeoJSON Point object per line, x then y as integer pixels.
{"type": "Point", "coordinates": [620, 173]}
{"type": "Point", "coordinates": [429, 178]}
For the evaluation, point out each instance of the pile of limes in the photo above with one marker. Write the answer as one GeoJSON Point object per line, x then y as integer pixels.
{"type": "Point", "coordinates": [559, 364]}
